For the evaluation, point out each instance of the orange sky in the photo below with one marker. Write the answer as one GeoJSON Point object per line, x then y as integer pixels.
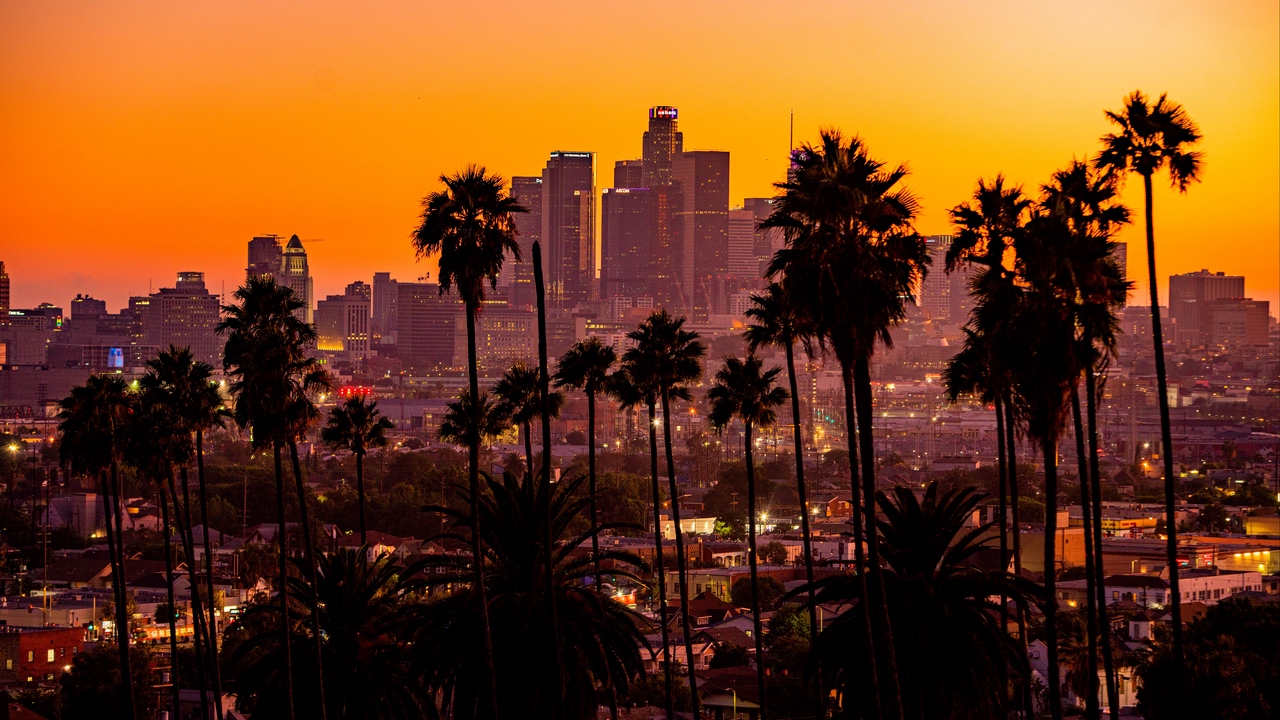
{"type": "Point", "coordinates": [138, 139]}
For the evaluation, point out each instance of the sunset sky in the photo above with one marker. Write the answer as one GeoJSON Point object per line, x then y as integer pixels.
{"type": "Point", "coordinates": [138, 139]}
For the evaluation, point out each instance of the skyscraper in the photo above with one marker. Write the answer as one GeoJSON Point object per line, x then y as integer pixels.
{"type": "Point", "coordinates": [382, 326]}
{"type": "Point", "coordinates": [425, 324]}
{"type": "Point", "coordinates": [4, 289]}
{"type": "Point", "coordinates": [742, 262]}
{"type": "Point", "coordinates": [701, 230]}
{"type": "Point", "coordinates": [626, 227]}
{"type": "Point", "coordinates": [628, 174]}
{"type": "Point", "coordinates": [185, 315]}
{"type": "Point", "coordinates": [768, 241]}
{"type": "Point", "coordinates": [944, 296]}
{"type": "Point", "coordinates": [264, 256]}
{"type": "Point", "coordinates": [527, 190]}
{"type": "Point", "coordinates": [1189, 297]}
{"type": "Point", "coordinates": [342, 322]}
{"type": "Point", "coordinates": [660, 144]}
{"type": "Point", "coordinates": [295, 273]}
{"type": "Point", "coordinates": [568, 227]}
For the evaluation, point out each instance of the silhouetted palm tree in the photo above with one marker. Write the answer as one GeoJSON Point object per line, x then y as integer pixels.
{"type": "Point", "coordinates": [460, 425]}
{"type": "Point", "coordinates": [743, 390]}
{"type": "Point", "coordinates": [470, 226]}
{"type": "Point", "coordinates": [600, 640]}
{"type": "Point", "coordinates": [852, 262]}
{"type": "Point", "coordinates": [367, 674]}
{"type": "Point", "coordinates": [1150, 137]}
{"type": "Point", "coordinates": [518, 394]}
{"type": "Point", "coordinates": [586, 366]}
{"type": "Point", "coordinates": [92, 421]}
{"type": "Point", "coordinates": [674, 357]}
{"type": "Point", "coordinates": [265, 355]}
{"type": "Point", "coordinates": [356, 425]}
{"type": "Point", "coordinates": [955, 656]}
{"type": "Point", "coordinates": [633, 385]}
{"type": "Point", "coordinates": [774, 322]}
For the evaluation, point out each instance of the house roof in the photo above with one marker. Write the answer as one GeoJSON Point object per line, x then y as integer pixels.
{"type": "Point", "coordinates": [77, 570]}
{"type": "Point", "coordinates": [375, 538]}
{"type": "Point", "coordinates": [726, 636]}
{"type": "Point", "coordinates": [1136, 581]}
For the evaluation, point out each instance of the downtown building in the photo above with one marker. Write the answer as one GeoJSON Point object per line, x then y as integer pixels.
{"type": "Point", "coordinates": [185, 315]}
{"type": "Point", "coordinates": [526, 190]}
{"type": "Point", "coordinates": [700, 222]}
{"type": "Point", "coordinates": [1211, 310]}
{"type": "Point", "coordinates": [568, 228]}
{"type": "Point", "coordinates": [342, 322]}
{"type": "Point", "coordinates": [287, 265]}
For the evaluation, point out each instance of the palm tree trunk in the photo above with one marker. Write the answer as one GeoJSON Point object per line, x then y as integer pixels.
{"type": "Point", "coordinates": [309, 554]}
{"type": "Point", "coordinates": [286, 630]}
{"type": "Point", "coordinates": [803, 495]}
{"type": "Point", "coordinates": [682, 560]}
{"type": "Point", "coordinates": [859, 535]}
{"type": "Point", "coordinates": [122, 611]}
{"type": "Point", "coordinates": [1166, 434]}
{"type": "Point", "coordinates": [197, 605]}
{"type": "Point", "coordinates": [879, 603]}
{"type": "Point", "coordinates": [1016, 520]}
{"type": "Point", "coordinates": [1091, 609]}
{"type": "Point", "coordinates": [591, 482]}
{"type": "Point", "coordinates": [544, 392]}
{"type": "Point", "coordinates": [477, 553]}
{"type": "Point", "coordinates": [1050, 447]}
{"type": "Point", "coordinates": [528, 449]}
{"type": "Point", "coordinates": [659, 567]}
{"type": "Point", "coordinates": [1003, 509]}
{"type": "Point", "coordinates": [1099, 566]}
{"type": "Point", "coordinates": [208, 573]}
{"type": "Point", "coordinates": [364, 533]}
{"type": "Point", "coordinates": [751, 555]}
{"type": "Point", "coordinates": [173, 603]}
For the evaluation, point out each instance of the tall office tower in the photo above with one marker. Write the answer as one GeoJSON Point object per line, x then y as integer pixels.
{"type": "Point", "coordinates": [663, 141]}
{"type": "Point", "coordinates": [425, 324]}
{"type": "Point", "coordinates": [4, 289]}
{"type": "Point", "coordinates": [527, 190]}
{"type": "Point", "coordinates": [1189, 295]}
{"type": "Point", "coordinates": [342, 322]}
{"type": "Point", "coordinates": [185, 315]}
{"type": "Point", "coordinates": [768, 241]}
{"type": "Point", "coordinates": [944, 297]}
{"type": "Point", "coordinates": [265, 256]}
{"type": "Point", "coordinates": [87, 309]}
{"type": "Point", "coordinates": [701, 230]}
{"type": "Point", "coordinates": [361, 288]}
{"type": "Point", "coordinates": [744, 266]}
{"type": "Point", "coordinates": [626, 227]}
{"type": "Point", "coordinates": [295, 273]}
{"type": "Point", "coordinates": [568, 228]}
{"type": "Point", "coordinates": [382, 326]}
{"type": "Point", "coordinates": [628, 174]}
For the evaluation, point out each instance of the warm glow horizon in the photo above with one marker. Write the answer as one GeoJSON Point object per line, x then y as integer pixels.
{"type": "Point", "coordinates": [139, 139]}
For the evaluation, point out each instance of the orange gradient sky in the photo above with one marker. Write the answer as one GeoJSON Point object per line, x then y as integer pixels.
{"type": "Point", "coordinates": [138, 139]}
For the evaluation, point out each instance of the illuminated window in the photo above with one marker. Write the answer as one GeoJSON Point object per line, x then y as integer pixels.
{"type": "Point", "coordinates": [31, 656]}
{"type": "Point", "coordinates": [51, 655]}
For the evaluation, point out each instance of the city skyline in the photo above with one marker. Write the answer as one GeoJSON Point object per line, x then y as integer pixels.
{"type": "Point", "coordinates": [172, 165]}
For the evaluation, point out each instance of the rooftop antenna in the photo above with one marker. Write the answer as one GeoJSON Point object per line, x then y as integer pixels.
{"type": "Point", "coordinates": [791, 136]}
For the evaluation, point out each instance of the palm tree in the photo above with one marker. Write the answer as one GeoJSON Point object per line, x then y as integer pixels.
{"type": "Point", "coordinates": [674, 357]}
{"type": "Point", "coordinates": [357, 425]}
{"type": "Point", "coordinates": [459, 425]}
{"type": "Point", "coordinates": [265, 355]}
{"type": "Point", "coordinates": [470, 226]}
{"type": "Point", "coordinates": [852, 262]}
{"type": "Point", "coordinates": [774, 322]}
{"type": "Point", "coordinates": [956, 657]}
{"type": "Point", "coordinates": [633, 385]}
{"type": "Point", "coordinates": [600, 637]}
{"type": "Point", "coordinates": [586, 366]}
{"type": "Point", "coordinates": [1149, 137]}
{"type": "Point", "coordinates": [366, 670]}
{"type": "Point", "coordinates": [743, 390]}
{"type": "Point", "coordinates": [518, 394]}
{"type": "Point", "coordinates": [92, 422]}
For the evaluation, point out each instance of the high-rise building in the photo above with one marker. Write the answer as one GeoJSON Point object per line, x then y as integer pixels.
{"type": "Point", "coordinates": [297, 275]}
{"type": "Point", "coordinates": [743, 263]}
{"type": "Point", "coordinates": [768, 241]}
{"type": "Point", "coordinates": [527, 190]}
{"type": "Point", "coordinates": [382, 326]}
{"type": "Point", "coordinates": [626, 228]}
{"type": "Point", "coordinates": [425, 324]}
{"type": "Point", "coordinates": [4, 290]}
{"type": "Point", "coordinates": [342, 322]}
{"type": "Point", "coordinates": [1232, 322]}
{"type": "Point", "coordinates": [265, 255]}
{"type": "Point", "coordinates": [87, 310]}
{"type": "Point", "coordinates": [944, 297]}
{"type": "Point", "coordinates": [628, 174]}
{"type": "Point", "coordinates": [185, 315]}
{"type": "Point", "coordinates": [1188, 298]}
{"type": "Point", "coordinates": [662, 142]}
{"type": "Point", "coordinates": [568, 227]}
{"type": "Point", "coordinates": [701, 230]}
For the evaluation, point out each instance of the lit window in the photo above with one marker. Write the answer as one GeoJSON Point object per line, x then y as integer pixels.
{"type": "Point", "coordinates": [51, 655]}
{"type": "Point", "coordinates": [31, 656]}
